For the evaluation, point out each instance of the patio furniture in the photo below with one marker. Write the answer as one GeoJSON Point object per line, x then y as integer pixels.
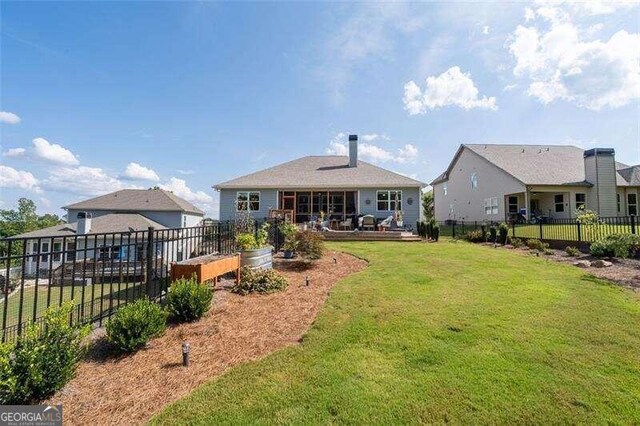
{"type": "Point", "coordinates": [345, 224]}
{"type": "Point", "coordinates": [369, 223]}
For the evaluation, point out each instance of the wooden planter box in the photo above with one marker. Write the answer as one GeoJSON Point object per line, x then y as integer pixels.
{"type": "Point", "coordinates": [207, 267]}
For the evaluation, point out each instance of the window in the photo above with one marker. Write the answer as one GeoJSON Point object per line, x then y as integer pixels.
{"type": "Point", "coordinates": [57, 248]}
{"type": "Point", "coordinates": [71, 251]}
{"type": "Point", "coordinates": [45, 249]}
{"type": "Point", "coordinates": [389, 200]}
{"type": "Point", "coordinates": [444, 189]}
{"type": "Point", "coordinates": [618, 202]}
{"type": "Point", "coordinates": [513, 205]}
{"type": "Point", "coordinates": [184, 221]}
{"type": "Point", "coordinates": [248, 201]}
{"type": "Point", "coordinates": [632, 204]}
{"type": "Point", "coordinates": [558, 200]}
{"type": "Point", "coordinates": [108, 252]}
{"type": "Point", "coordinates": [491, 205]}
{"type": "Point", "coordinates": [581, 201]}
{"type": "Point", "coordinates": [474, 180]}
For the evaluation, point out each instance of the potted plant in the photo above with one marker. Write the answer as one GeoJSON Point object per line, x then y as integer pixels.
{"type": "Point", "coordinates": [255, 252]}
{"type": "Point", "coordinates": [289, 230]}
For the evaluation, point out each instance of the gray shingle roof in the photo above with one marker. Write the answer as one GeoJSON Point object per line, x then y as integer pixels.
{"type": "Point", "coordinates": [137, 200]}
{"type": "Point", "coordinates": [537, 164]}
{"type": "Point", "coordinates": [320, 172]}
{"type": "Point", "coordinates": [629, 176]}
{"type": "Point", "coordinates": [114, 222]}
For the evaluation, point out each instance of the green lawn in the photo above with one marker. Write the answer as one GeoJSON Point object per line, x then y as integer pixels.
{"type": "Point", "coordinates": [446, 332]}
{"type": "Point", "coordinates": [102, 296]}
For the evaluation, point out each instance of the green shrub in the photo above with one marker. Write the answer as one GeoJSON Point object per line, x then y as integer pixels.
{"type": "Point", "coordinates": [493, 234]}
{"type": "Point", "coordinates": [310, 245]}
{"type": "Point", "coordinates": [548, 252]}
{"type": "Point", "coordinates": [517, 242]}
{"type": "Point", "coordinates": [262, 236]}
{"type": "Point", "coordinates": [290, 231]}
{"type": "Point", "coordinates": [7, 378]}
{"type": "Point", "coordinates": [535, 244]}
{"type": "Point", "coordinates": [259, 281]}
{"type": "Point", "coordinates": [503, 232]}
{"type": "Point", "coordinates": [616, 245]}
{"type": "Point", "coordinates": [246, 241]}
{"type": "Point", "coordinates": [135, 324]}
{"type": "Point", "coordinates": [188, 300]}
{"type": "Point", "coordinates": [572, 251]}
{"type": "Point", "coordinates": [43, 359]}
{"type": "Point", "coordinates": [474, 236]}
{"type": "Point", "coordinates": [435, 231]}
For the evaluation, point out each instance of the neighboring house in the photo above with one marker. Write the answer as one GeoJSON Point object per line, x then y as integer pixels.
{"type": "Point", "coordinates": [339, 186]}
{"type": "Point", "coordinates": [502, 182]}
{"type": "Point", "coordinates": [123, 214]}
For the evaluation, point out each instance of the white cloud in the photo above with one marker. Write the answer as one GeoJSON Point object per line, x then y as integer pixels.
{"type": "Point", "coordinates": [186, 172]}
{"type": "Point", "coordinates": [485, 30]}
{"type": "Point", "coordinates": [200, 198]}
{"type": "Point", "coordinates": [452, 87]}
{"type": "Point", "coordinates": [82, 180]}
{"type": "Point", "coordinates": [373, 153]}
{"type": "Point", "coordinates": [135, 171]}
{"type": "Point", "coordinates": [562, 61]}
{"type": "Point", "coordinates": [21, 179]}
{"type": "Point", "coordinates": [14, 152]}
{"type": "Point", "coordinates": [9, 117]}
{"type": "Point", "coordinates": [53, 153]}
{"type": "Point", "coordinates": [509, 87]}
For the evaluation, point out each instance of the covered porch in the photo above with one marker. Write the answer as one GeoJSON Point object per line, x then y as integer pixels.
{"type": "Point", "coordinates": [335, 206]}
{"type": "Point", "coordinates": [540, 204]}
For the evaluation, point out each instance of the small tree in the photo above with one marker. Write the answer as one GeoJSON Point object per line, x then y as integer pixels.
{"type": "Point", "coordinates": [427, 205]}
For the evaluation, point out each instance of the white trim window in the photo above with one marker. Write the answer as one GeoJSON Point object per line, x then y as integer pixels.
{"type": "Point", "coordinates": [558, 200]}
{"type": "Point", "coordinates": [474, 180]}
{"type": "Point", "coordinates": [581, 200]}
{"type": "Point", "coordinates": [389, 200]}
{"type": "Point", "coordinates": [248, 201]}
{"type": "Point", "coordinates": [513, 204]}
{"type": "Point", "coordinates": [632, 204]}
{"type": "Point", "coordinates": [491, 205]}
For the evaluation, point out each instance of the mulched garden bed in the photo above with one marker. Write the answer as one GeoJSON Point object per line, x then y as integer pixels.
{"type": "Point", "coordinates": [111, 389]}
{"type": "Point", "coordinates": [625, 272]}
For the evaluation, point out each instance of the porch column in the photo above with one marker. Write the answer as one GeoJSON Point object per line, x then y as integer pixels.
{"type": "Point", "coordinates": [527, 206]}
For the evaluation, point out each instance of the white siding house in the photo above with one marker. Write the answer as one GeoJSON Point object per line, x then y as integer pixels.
{"type": "Point", "coordinates": [505, 182]}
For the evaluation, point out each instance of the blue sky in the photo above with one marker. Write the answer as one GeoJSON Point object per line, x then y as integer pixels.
{"type": "Point", "coordinates": [98, 96]}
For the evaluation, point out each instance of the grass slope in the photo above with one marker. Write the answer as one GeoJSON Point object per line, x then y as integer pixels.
{"type": "Point", "coordinates": [445, 332]}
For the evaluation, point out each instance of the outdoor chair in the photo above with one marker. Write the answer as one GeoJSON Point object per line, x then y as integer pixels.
{"type": "Point", "coordinates": [345, 224]}
{"type": "Point", "coordinates": [369, 222]}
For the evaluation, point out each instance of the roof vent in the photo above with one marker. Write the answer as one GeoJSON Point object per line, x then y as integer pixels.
{"type": "Point", "coordinates": [353, 150]}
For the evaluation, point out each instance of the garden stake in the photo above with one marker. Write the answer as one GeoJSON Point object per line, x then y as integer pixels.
{"type": "Point", "coordinates": [185, 354]}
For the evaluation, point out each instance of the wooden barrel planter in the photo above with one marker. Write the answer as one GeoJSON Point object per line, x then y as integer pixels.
{"type": "Point", "coordinates": [257, 258]}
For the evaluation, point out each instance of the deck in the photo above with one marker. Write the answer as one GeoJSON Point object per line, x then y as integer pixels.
{"type": "Point", "coordinates": [370, 236]}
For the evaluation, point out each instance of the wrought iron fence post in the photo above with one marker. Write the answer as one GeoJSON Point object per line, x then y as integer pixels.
{"type": "Point", "coordinates": [7, 280]}
{"type": "Point", "coordinates": [149, 259]}
{"type": "Point", "coordinates": [513, 228]}
{"type": "Point", "coordinates": [579, 231]}
{"type": "Point", "coordinates": [633, 224]}
{"type": "Point", "coordinates": [219, 237]}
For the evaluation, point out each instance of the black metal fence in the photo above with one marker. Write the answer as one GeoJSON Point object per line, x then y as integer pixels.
{"type": "Point", "coordinates": [100, 272]}
{"type": "Point", "coordinates": [552, 229]}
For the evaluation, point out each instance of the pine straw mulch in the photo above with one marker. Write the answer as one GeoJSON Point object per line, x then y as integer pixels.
{"type": "Point", "coordinates": [128, 390]}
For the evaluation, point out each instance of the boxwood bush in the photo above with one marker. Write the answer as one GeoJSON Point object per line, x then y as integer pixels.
{"type": "Point", "coordinates": [259, 281]}
{"type": "Point", "coordinates": [616, 245]}
{"type": "Point", "coordinates": [133, 325]}
{"type": "Point", "coordinates": [310, 245]}
{"type": "Point", "coordinates": [474, 236]}
{"type": "Point", "coordinates": [188, 300]}
{"type": "Point", "coordinates": [43, 359]}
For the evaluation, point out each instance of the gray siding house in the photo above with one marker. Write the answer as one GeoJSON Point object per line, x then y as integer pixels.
{"type": "Point", "coordinates": [487, 182]}
{"type": "Point", "coordinates": [117, 213]}
{"type": "Point", "coordinates": [340, 187]}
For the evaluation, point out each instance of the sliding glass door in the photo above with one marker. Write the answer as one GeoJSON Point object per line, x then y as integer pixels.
{"type": "Point", "coordinates": [308, 205]}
